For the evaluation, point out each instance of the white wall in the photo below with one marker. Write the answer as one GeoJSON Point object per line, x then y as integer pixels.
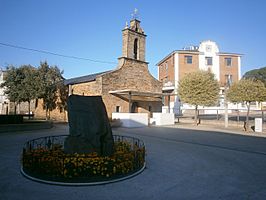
{"type": "Point", "coordinates": [3, 97]}
{"type": "Point", "coordinates": [132, 120]}
{"type": "Point", "coordinates": [176, 61]}
{"type": "Point", "coordinates": [161, 119]}
{"type": "Point", "coordinates": [175, 106]}
{"type": "Point", "coordinates": [212, 52]}
{"type": "Point", "coordinates": [239, 68]}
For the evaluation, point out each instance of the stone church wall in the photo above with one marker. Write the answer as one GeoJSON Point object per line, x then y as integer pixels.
{"type": "Point", "coordinates": [92, 88]}
{"type": "Point", "coordinates": [56, 114]}
{"type": "Point", "coordinates": [131, 75]}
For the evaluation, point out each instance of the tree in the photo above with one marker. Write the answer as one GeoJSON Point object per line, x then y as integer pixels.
{"type": "Point", "coordinates": [29, 86]}
{"type": "Point", "coordinates": [10, 85]}
{"type": "Point", "coordinates": [49, 78]}
{"type": "Point", "coordinates": [20, 84]}
{"type": "Point", "coordinates": [63, 95]}
{"type": "Point", "coordinates": [199, 89]}
{"type": "Point", "coordinates": [27, 83]}
{"type": "Point", "coordinates": [256, 74]}
{"type": "Point", "coordinates": [247, 91]}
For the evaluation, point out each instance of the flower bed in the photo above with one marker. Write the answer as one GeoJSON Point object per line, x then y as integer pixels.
{"type": "Point", "coordinates": [44, 158]}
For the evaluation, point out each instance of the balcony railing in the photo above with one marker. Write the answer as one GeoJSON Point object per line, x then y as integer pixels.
{"type": "Point", "coordinates": [168, 84]}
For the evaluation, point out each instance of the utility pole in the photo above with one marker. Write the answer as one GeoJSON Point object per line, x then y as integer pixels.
{"type": "Point", "coordinates": [227, 85]}
{"type": "Point", "coordinates": [225, 109]}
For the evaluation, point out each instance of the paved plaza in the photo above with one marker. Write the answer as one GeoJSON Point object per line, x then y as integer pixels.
{"type": "Point", "coordinates": [181, 164]}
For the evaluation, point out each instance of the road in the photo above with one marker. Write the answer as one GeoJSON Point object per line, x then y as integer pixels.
{"type": "Point", "coordinates": [181, 164]}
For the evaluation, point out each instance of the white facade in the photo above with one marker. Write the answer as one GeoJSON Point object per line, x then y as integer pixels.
{"type": "Point", "coordinates": [209, 49]}
{"type": "Point", "coordinates": [239, 67]}
{"type": "Point", "coordinates": [4, 102]}
{"type": "Point", "coordinates": [162, 119]}
{"type": "Point", "coordinates": [132, 120]}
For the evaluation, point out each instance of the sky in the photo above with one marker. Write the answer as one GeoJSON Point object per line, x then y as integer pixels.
{"type": "Point", "coordinates": [92, 30]}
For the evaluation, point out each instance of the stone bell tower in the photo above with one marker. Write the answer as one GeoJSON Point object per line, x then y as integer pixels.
{"type": "Point", "coordinates": [134, 41]}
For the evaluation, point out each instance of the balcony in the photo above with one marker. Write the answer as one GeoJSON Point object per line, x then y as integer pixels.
{"type": "Point", "coordinates": [168, 85]}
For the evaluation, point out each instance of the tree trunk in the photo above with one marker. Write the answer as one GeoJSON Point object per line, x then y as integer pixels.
{"type": "Point", "coordinates": [246, 124]}
{"type": "Point", "coordinates": [196, 115]}
{"type": "Point", "coordinates": [15, 108]}
{"type": "Point", "coordinates": [64, 115]}
{"type": "Point", "coordinates": [46, 112]}
{"type": "Point", "coordinates": [18, 107]}
{"type": "Point", "coordinates": [29, 109]}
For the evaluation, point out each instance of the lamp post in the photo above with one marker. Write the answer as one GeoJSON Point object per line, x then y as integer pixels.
{"type": "Point", "coordinates": [225, 109]}
{"type": "Point", "coordinates": [227, 85]}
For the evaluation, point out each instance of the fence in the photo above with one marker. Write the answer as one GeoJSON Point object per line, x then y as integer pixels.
{"type": "Point", "coordinates": [234, 115]}
{"type": "Point", "coordinates": [44, 158]}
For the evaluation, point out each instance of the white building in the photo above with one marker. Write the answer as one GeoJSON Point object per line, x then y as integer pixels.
{"type": "Point", "coordinates": [4, 102]}
{"type": "Point", "coordinates": [207, 56]}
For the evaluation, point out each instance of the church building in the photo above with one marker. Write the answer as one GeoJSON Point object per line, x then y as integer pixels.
{"type": "Point", "coordinates": [130, 87]}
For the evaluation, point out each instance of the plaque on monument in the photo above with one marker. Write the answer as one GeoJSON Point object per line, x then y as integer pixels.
{"type": "Point", "coordinates": [89, 127]}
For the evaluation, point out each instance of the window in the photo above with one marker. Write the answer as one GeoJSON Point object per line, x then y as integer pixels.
{"type": "Point", "coordinates": [208, 48]}
{"type": "Point", "coordinates": [228, 79]}
{"type": "Point", "coordinates": [36, 103]}
{"type": "Point", "coordinates": [208, 60]}
{"type": "Point", "coordinates": [188, 59]}
{"type": "Point", "coordinates": [117, 109]}
{"type": "Point", "coordinates": [228, 62]}
{"type": "Point", "coordinates": [166, 66]}
{"type": "Point", "coordinates": [136, 48]}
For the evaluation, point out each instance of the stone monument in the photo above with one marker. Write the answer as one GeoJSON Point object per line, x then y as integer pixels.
{"type": "Point", "coordinates": [89, 127]}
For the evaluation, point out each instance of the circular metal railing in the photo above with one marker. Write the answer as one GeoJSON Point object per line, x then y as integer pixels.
{"type": "Point", "coordinates": [44, 159]}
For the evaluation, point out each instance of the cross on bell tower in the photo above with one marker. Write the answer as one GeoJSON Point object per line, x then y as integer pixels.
{"type": "Point", "coordinates": [135, 14]}
{"type": "Point", "coordinates": [134, 40]}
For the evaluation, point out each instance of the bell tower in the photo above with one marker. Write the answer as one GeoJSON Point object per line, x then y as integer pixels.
{"type": "Point", "coordinates": [134, 40]}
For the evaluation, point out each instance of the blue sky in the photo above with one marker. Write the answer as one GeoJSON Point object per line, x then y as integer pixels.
{"type": "Point", "coordinates": [92, 29]}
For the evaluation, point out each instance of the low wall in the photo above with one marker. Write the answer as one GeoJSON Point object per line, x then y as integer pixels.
{"type": "Point", "coordinates": [132, 120]}
{"type": "Point", "coordinates": [29, 126]}
{"type": "Point", "coordinates": [161, 119]}
{"type": "Point", "coordinates": [11, 119]}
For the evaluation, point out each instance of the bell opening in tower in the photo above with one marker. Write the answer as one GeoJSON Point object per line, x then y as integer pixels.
{"type": "Point", "coordinates": [136, 48]}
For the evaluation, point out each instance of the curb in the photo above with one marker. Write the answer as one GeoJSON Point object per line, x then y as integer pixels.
{"type": "Point", "coordinates": [82, 184]}
{"type": "Point", "coordinates": [208, 127]}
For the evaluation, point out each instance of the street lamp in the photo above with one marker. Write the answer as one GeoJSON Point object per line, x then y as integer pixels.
{"type": "Point", "coordinates": [227, 85]}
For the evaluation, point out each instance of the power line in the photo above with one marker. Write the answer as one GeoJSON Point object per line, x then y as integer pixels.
{"type": "Point", "coordinates": [54, 54]}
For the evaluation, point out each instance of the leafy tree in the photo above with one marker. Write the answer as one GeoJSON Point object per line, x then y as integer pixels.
{"type": "Point", "coordinates": [49, 77]}
{"type": "Point", "coordinates": [199, 89]}
{"type": "Point", "coordinates": [256, 74]}
{"type": "Point", "coordinates": [20, 84]}
{"type": "Point", "coordinates": [29, 86]}
{"type": "Point", "coordinates": [247, 91]}
{"type": "Point", "coordinates": [63, 95]}
{"type": "Point", "coordinates": [10, 85]}
{"type": "Point", "coordinates": [27, 83]}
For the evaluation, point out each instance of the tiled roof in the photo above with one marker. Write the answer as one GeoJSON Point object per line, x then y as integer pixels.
{"type": "Point", "coordinates": [83, 79]}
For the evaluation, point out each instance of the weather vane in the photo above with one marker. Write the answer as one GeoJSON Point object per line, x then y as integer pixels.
{"type": "Point", "coordinates": [135, 14]}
